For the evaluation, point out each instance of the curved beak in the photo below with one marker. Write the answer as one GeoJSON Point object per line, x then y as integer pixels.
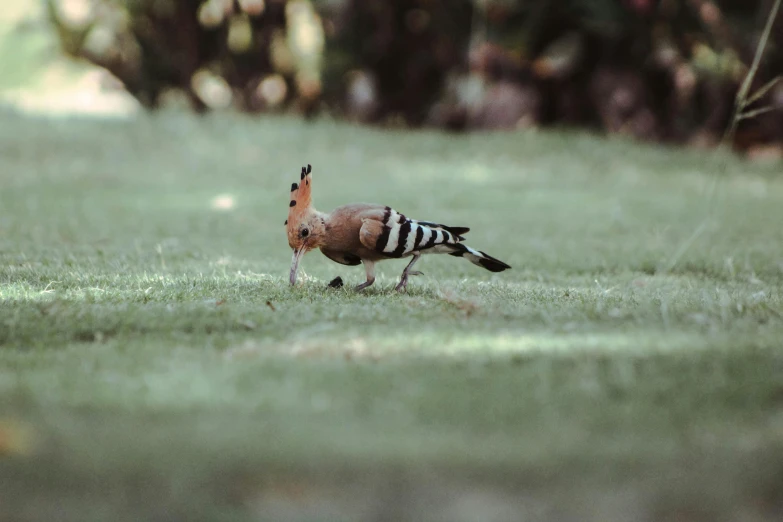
{"type": "Point", "coordinates": [295, 264]}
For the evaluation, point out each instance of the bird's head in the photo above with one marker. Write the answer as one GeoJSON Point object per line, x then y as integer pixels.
{"type": "Point", "coordinates": [305, 226]}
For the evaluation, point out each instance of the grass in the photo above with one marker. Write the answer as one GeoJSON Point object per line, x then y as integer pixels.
{"type": "Point", "coordinates": [26, 44]}
{"type": "Point", "coordinates": [154, 363]}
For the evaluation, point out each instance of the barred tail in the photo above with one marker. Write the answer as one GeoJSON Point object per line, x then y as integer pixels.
{"type": "Point", "coordinates": [478, 258]}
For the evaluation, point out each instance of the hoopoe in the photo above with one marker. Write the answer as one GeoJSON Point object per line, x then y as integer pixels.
{"type": "Point", "coordinates": [366, 233]}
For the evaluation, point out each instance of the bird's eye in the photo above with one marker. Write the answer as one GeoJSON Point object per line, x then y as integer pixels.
{"type": "Point", "coordinates": [305, 232]}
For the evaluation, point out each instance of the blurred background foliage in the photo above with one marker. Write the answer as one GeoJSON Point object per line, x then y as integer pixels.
{"type": "Point", "coordinates": [655, 70]}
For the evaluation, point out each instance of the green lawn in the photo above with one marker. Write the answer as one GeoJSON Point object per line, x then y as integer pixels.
{"type": "Point", "coordinates": [155, 364]}
{"type": "Point", "coordinates": [26, 44]}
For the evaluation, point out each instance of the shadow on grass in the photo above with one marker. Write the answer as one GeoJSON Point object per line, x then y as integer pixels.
{"type": "Point", "coordinates": [83, 478]}
{"type": "Point", "coordinates": [55, 323]}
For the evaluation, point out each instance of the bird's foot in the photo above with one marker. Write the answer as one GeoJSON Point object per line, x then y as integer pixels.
{"type": "Point", "coordinates": [403, 284]}
{"type": "Point", "coordinates": [364, 285]}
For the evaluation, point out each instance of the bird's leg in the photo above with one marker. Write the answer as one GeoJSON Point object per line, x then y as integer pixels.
{"type": "Point", "coordinates": [369, 267]}
{"type": "Point", "coordinates": [408, 272]}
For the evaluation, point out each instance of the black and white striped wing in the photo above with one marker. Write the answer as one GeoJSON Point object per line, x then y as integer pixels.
{"type": "Point", "coordinates": [401, 236]}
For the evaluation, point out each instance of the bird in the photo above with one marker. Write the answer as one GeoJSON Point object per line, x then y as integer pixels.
{"type": "Point", "coordinates": [362, 233]}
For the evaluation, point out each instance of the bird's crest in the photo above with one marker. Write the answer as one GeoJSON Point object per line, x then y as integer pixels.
{"type": "Point", "coordinates": [301, 200]}
{"type": "Point", "coordinates": [305, 226]}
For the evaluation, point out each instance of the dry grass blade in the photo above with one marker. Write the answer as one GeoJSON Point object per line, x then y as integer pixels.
{"type": "Point", "coordinates": [684, 247]}
{"type": "Point", "coordinates": [756, 96]}
{"type": "Point", "coordinates": [759, 111]}
{"type": "Point", "coordinates": [742, 94]}
{"type": "Point", "coordinates": [464, 305]}
{"type": "Point", "coordinates": [742, 101]}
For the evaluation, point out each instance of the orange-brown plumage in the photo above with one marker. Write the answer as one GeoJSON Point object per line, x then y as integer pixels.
{"type": "Point", "coordinates": [366, 233]}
